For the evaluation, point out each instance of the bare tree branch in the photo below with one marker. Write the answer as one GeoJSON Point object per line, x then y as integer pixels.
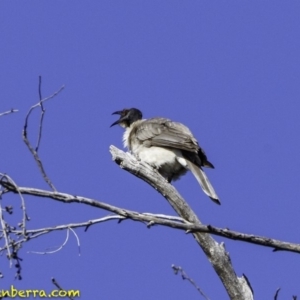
{"type": "Point", "coordinates": [59, 287]}
{"type": "Point", "coordinates": [55, 250]}
{"type": "Point", "coordinates": [35, 233]}
{"type": "Point", "coordinates": [23, 206]}
{"type": "Point", "coordinates": [11, 247]}
{"type": "Point", "coordinates": [147, 218]}
{"type": "Point", "coordinates": [25, 138]}
{"type": "Point", "coordinates": [5, 235]}
{"type": "Point", "coordinates": [184, 276]}
{"type": "Point", "coordinates": [42, 115]}
{"type": "Point", "coordinates": [237, 287]}
{"type": "Point", "coordinates": [8, 112]}
{"type": "Point", "coordinates": [276, 294]}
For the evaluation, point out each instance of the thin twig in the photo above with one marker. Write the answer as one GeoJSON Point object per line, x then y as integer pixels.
{"type": "Point", "coordinates": [56, 250]}
{"type": "Point", "coordinates": [71, 225]}
{"type": "Point", "coordinates": [11, 247]}
{"type": "Point", "coordinates": [8, 112]}
{"type": "Point", "coordinates": [35, 233]}
{"type": "Point", "coordinates": [59, 287]}
{"type": "Point", "coordinates": [185, 276]}
{"type": "Point", "coordinates": [44, 231]}
{"type": "Point", "coordinates": [77, 239]}
{"type": "Point", "coordinates": [6, 238]}
{"type": "Point", "coordinates": [25, 138]}
{"type": "Point", "coordinates": [23, 206]}
{"type": "Point", "coordinates": [276, 294]}
{"type": "Point", "coordinates": [42, 115]}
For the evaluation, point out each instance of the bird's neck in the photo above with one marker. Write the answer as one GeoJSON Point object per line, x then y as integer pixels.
{"type": "Point", "coordinates": [127, 134]}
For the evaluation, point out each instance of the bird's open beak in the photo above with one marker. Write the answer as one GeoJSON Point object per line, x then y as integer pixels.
{"type": "Point", "coordinates": [120, 120]}
{"type": "Point", "coordinates": [119, 112]}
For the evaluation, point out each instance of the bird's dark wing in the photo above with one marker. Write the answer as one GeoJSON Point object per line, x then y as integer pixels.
{"type": "Point", "coordinates": [165, 133]}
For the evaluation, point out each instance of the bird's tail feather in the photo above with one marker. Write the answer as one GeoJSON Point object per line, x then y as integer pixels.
{"type": "Point", "coordinates": [204, 182]}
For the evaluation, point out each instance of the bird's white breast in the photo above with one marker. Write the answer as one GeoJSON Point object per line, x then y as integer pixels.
{"type": "Point", "coordinates": [167, 160]}
{"type": "Point", "coordinates": [158, 156]}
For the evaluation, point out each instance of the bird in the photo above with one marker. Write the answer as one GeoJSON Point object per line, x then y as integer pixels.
{"type": "Point", "coordinates": [168, 146]}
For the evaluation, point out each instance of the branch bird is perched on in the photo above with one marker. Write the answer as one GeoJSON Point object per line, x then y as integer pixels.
{"type": "Point", "coordinates": [168, 146]}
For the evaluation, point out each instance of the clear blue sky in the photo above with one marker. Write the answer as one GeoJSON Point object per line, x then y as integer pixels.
{"type": "Point", "coordinates": [229, 70]}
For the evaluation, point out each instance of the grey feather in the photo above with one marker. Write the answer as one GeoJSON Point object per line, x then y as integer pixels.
{"type": "Point", "coordinates": [204, 182]}
{"type": "Point", "coordinates": [165, 133]}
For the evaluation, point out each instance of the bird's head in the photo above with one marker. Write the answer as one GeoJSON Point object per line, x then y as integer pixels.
{"type": "Point", "coordinates": [127, 117]}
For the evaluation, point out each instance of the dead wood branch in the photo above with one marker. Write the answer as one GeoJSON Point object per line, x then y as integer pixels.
{"type": "Point", "coordinates": [33, 151]}
{"type": "Point", "coordinates": [8, 112]}
{"type": "Point", "coordinates": [236, 287]}
{"type": "Point", "coordinates": [148, 219]}
{"type": "Point", "coordinates": [184, 276]}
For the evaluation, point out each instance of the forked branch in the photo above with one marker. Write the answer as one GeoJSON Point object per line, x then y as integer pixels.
{"type": "Point", "coordinates": [34, 151]}
{"type": "Point", "coordinates": [236, 287]}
